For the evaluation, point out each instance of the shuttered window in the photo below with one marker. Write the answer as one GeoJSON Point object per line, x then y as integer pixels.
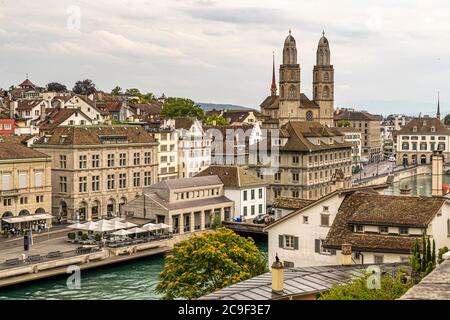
{"type": "Point", "coordinates": [23, 177]}
{"type": "Point", "coordinates": [318, 248]}
{"type": "Point", "coordinates": [288, 242]}
{"type": "Point", "coordinates": [38, 179]}
{"type": "Point", "coordinates": [6, 182]}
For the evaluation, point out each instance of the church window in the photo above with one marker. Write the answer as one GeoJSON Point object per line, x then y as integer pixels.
{"type": "Point", "coordinates": [326, 77]}
{"type": "Point", "coordinates": [309, 116]}
{"type": "Point", "coordinates": [282, 92]}
{"type": "Point", "coordinates": [316, 94]}
{"type": "Point", "coordinates": [326, 92]}
{"type": "Point", "coordinates": [291, 94]}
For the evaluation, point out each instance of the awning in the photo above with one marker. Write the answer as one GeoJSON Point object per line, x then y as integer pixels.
{"type": "Point", "coordinates": [33, 217]}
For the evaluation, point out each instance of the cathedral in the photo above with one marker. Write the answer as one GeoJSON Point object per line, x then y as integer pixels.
{"type": "Point", "coordinates": [291, 104]}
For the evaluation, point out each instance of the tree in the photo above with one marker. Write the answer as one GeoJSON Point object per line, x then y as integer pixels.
{"type": "Point", "coordinates": [217, 120]}
{"type": "Point", "coordinates": [447, 120]}
{"type": "Point", "coordinates": [343, 123]}
{"type": "Point", "coordinates": [84, 87]}
{"type": "Point", "coordinates": [208, 262]}
{"type": "Point", "coordinates": [56, 87]}
{"type": "Point", "coordinates": [391, 288]}
{"type": "Point", "coordinates": [441, 253]}
{"type": "Point", "coordinates": [180, 107]}
{"type": "Point", "coordinates": [133, 92]}
{"type": "Point", "coordinates": [117, 91]}
{"type": "Point", "coordinates": [423, 259]}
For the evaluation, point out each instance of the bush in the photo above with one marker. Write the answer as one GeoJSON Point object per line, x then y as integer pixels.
{"type": "Point", "coordinates": [441, 253]}
{"type": "Point", "coordinates": [84, 237]}
{"type": "Point", "coordinates": [71, 235]}
{"type": "Point", "coordinates": [80, 233]}
{"type": "Point", "coordinates": [98, 237]}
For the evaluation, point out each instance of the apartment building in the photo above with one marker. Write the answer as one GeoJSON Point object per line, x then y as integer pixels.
{"type": "Point", "coordinates": [369, 125]}
{"type": "Point", "coordinates": [25, 185]}
{"type": "Point", "coordinates": [97, 169]}
{"type": "Point", "coordinates": [186, 204]}
{"type": "Point", "coordinates": [354, 136]}
{"type": "Point", "coordinates": [311, 159]}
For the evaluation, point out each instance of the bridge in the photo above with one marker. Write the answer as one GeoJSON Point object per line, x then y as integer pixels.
{"type": "Point", "coordinates": [245, 227]}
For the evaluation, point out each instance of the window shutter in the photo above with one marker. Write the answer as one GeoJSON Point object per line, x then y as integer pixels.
{"type": "Point", "coordinates": [280, 241]}
{"type": "Point", "coordinates": [317, 245]}
{"type": "Point", "coordinates": [295, 243]}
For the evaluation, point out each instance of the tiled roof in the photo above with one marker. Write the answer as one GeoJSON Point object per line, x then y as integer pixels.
{"type": "Point", "coordinates": [58, 116]}
{"type": "Point", "coordinates": [291, 203]}
{"type": "Point", "coordinates": [383, 210]}
{"type": "Point", "coordinates": [232, 176]}
{"type": "Point", "coordinates": [297, 282]}
{"type": "Point", "coordinates": [148, 108]}
{"type": "Point", "coordinates": [423, 126]}
{"type": "Point", "coordinates": [184, 183]}
{"type": "Point", "coordinates": [184, 122]}
{"type": "Point", "coordinates": [94, 135]}
{"type": "Point", "coordinates": [354, 115]}
{"type": "Point", "coordinates": [12, 148]}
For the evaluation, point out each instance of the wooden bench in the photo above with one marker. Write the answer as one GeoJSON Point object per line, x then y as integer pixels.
{"type": "Point", "coordinates": [54, 254]}
{"type": "Point", "coordinates": [12, 262]}
{"type": "Point", "coordinates": [34, 258]}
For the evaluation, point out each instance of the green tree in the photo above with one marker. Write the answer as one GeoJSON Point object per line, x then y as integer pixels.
{"type": "Point", "coordinates": [117, 91]}
{"type": "Point", "coordinates": [217, 120]}
{"type": "Point", "coordinates": [84, 87]}
{"type": "Point", "coordinates": [208, 262]}
{"type": "Point", "coordinates": [441, 253]}
{"type": "Point", "coordinates": [447, 120]}
{"type": "Point", "coordinates": [343, 123]}
{"type": "Point", "coordinates": [423, 259]}
{"type": "Point", "coordinates": [391, 288]}
{"type": "Point", "coordinates": [180, 107]}
{"type": "Point", "coordinates": [133, 92]}
{"type": "Point", "coordinates": [56, 87]}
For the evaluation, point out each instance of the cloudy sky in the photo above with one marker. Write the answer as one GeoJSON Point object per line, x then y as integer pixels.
{"type": "Point", "coordinates": [387, 57]}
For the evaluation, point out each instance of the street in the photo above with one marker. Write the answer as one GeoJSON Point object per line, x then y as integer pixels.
{"type": "Point", "coordinates": [371, 170]}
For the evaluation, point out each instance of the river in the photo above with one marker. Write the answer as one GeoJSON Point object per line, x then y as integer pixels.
{"type": "Point", "coordinates": [125, 281]}
{"type": "Point", "coordinates": [420, 185]}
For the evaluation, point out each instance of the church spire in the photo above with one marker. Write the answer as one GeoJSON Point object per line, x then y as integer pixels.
{"type": "Point", "coordinates": [273, 88]}
{"type": "Point", "coordinates": [438, 113]}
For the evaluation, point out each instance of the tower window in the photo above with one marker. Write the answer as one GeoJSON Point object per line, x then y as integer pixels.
{"type": "Point", "coordinates": [326, 92]}
{"type": "Point", "coordinates": [326, 77]}
{"type": "Point", "coordinates": [309, 116]}
{"type": "Point", "coordinates": [292, 94]}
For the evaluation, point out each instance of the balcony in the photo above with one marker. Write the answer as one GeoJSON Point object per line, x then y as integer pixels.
{"type": "Point", "coordinates": [11, 192]}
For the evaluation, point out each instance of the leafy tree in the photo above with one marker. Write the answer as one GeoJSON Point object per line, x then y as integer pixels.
{"type": "Point", "coordinates": [57, 87]}
{"type": "Point", "coordinates": [180, 107]}
{"type": "Point", "coordinates": [84, 87]}
{"type": "Point", "coordinates": [423, 259]}
{"type": "Point", "coordinates": [147, 97]}
{"type": "Point", "coordinates": [441, 253]}
{"type": "Point", "coordinates": [117, 91]}
{"type": "Point", "coordinates": [391, 288]}
{"type": "Point", "coordinates": [133, 92]}
{"type": "Point", "coordinates": [217, 120]}
{"type": "Point", "coordinates": [447, 119]}
{"type": "Point", "coordinates": [343, 123]}
{"type": "Point", "coordinates": [208, 262]}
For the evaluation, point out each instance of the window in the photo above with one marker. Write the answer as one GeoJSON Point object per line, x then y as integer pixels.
{"type": "Point", "coordinates": [245, 195]}
{"type": "Point", "coordinates": [288, 242]}
{"type": "Point", "coordinates": [6, 182]}
{"type": "Point", "coordinates": [403, 230]}
{"type": "Point", "coordinates": [39, 199]}
{"type": "Point", "coordinates": [260, 208]}
{"type": "Point", "coordinates": [309, 116]}
{"type": "Point", "coordinates": [383, 229]}
{"type": "Point", "coordinates": [147, 157]}
{"type": "Point", "coordinates": [111, 160]}
{"type": "Point", "coordinates": [122, 159]}
{"type": "Point", "coordinates": [325, 220]}
{"type": "Point", "coordinates": [288, 264]}
{"type": "Point", "coordinates": [359, 228]}
{"type": "Point", "coordinates": [164, 148]}
{"type": "Point", "coordinates": [137, 159]}
{"type": "Point", "coordinates": [63, 184]}
{"type": "Point", "coordinates": [23, 200]}
{"type": "Point", "coordinates": [7, 202]}
{"type": "Point", "coordinates": [378, 259]}
{"type": "Point", "coordinates": [95, 161]}
{"type": "Point", "coordinates": [136, 179]}
{"type": "Point", "coordinates": [305, 219]}
{"type": "Point", "coordinates": [245, 211]}
{"type": "Point", "coordinates": [253, 210]}
{"type": "Point", "coordinates": [295, 194]}
{"type": "Point", "coordinates": [95, 183]}
{"type": "Point", "coordinates": [38, 178]}
{"type": "Point", "coordinates": [260, 193]}
{"type": "Point", "coordinates": [278, 176]}
{"type": "Point", "coordinates": [318, 248]}
{"type": "Point", "coordinates": [83, 162]}
{"type": "Point", "coordinates": [405, 146]}
{"type": "Point", "coordinates": [23, 180]}
{"type": "Point", "coordinates": [147, 178]}
{"type": "Point", "coordinates": [325, 208]}
{"type": "Point", "coordinates": [82, 184]}
{"type": "Point", "coordinates": [122, 180]}
{"type": "Point", "coordinates": [295, 159]}
{"type": "Point", "coordinates": [295, 176]}
{"type": "Point", "coordinates": [110, 181]}
{"type": "Point", "coordinates": [252, 193]}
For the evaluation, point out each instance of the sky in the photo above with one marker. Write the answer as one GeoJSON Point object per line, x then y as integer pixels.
{"type": "Point", "coordinates": [388, 57]}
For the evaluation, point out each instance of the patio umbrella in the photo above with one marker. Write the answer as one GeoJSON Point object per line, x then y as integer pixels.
{"type": "Point", "coordinates": [162, 226]}
{"type": "Point", "coordinates": [129, 224]}
{"type": "Point", "coordinates": [150, 227]}
{"type": "Point", "coordinates": [116, 219]}
{"type": "Point", "coordinates": [116, 225]}
{"type": "Point", "coordinates": [136, 230]}
{"type": "Point", "coordinates": [76, 226]}
{"type": "Point", "coordinates": [89, 226]}
{"type": "Point", "coordinates": [121, 232]}
{"type": "Point", "coordinates": [104, 225]}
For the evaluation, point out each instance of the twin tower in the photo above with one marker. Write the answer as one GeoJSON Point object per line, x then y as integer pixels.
{"type": "Point", "coordinates": [291, 104]}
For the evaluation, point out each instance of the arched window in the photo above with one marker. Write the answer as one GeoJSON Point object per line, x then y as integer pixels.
{"type": "Point", "coordinates": [316, 93]}
{"type": "Point", "coordinates": [326, 77]}
{"type": "Point", "coordinates": [309, 116]}
{"type": "Point", "coordinates": [326, 92]}
{"type": "Point", "coordinates": [292, 94]}
{"type": "Point", "coordinates": [282, 92]}
{"type": "Point", "coordinates": [24, 213]}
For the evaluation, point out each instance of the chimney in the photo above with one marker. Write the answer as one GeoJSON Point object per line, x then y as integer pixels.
{"type": "Point", "coordinates": [277, 276]}
{"type": "Point", "coordinates": [346, 254]}
{"type": "Point", "coordinates": [436, 172]}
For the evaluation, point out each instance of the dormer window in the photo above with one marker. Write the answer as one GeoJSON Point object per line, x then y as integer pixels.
{"type": "Point", "coordinates": [359, 228]}
{"type": "Point", "coordinates": [403, 230]}
{"type": "Point", "coordinates": [383, 230]}
{"type": "Point", "coordinates": [433, 129]}
{"type": "Point", "coordinates": [414, 129]}
{"type": "Point", "coordinates": [424, 123]}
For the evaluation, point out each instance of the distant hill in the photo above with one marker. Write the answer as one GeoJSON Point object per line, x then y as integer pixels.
{"type": "Point", "coordinates": [219, 106]}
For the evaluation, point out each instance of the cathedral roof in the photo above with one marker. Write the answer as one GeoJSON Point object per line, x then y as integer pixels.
{"type": "Point", "coordinates": [290, 40]}
{"type": "Point", "coordinates": [323, 42]}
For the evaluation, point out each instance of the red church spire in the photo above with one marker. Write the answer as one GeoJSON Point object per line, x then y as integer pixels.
{"type": "Point", "coordinates": [273, 88]}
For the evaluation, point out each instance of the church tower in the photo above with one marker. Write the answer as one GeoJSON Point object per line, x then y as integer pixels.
{"type": "Point", "coordinates": [289, 94]}
{"type": "Point", "coordinates": [323, 82]}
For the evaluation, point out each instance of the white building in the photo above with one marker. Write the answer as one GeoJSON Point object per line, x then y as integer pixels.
{"type": "Point", "coordinates": [379, 228]}
{"type": "Point", "coordinates": [246, 190]}
{"type": "Point", "coordinates": [354, 136]}
{"type": "Point", "coordinates": [194, 147]}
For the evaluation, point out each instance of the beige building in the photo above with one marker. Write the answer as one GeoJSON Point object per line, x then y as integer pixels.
{"type": "Point", "coordinates": [97, 169]}
{"type": "Point", "coordinates": [292, 104]}
{"type": "Point", "coordinates": [25, 184]}
{"type": "Point", "coordinates": [354, 136]}
{"type": "Point", "coordinates": [369, 125]}
{"type": "Point", "coordinates": [187, 205]}
{"type": "Point", "coordinates": [312, 159]}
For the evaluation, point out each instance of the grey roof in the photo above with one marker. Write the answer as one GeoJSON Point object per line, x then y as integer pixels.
{"type": "Point", "coordinates": [184, 183]}
{"type": "Point", "coordinates": [435, 286]}
{"type": "Point", "coordinates": [297, 282]}
{"type": "Point", "coordinates": [187, 204]}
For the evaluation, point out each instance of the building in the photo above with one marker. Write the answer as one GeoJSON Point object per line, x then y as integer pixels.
{"type": "Point", "coordinates": [378, 228]}
{"type": "Point", "coordinates": [369, 125]}
{"type": "Point", "coordinates": [417, 140]}
{"type": "Point", "coordinates": [7, 125]}
{"type": "Point", "coordinates": [354, 136]}
{"type": "Point", "coordinates": [63, 117]}
{"type": "Point", "coordinates": [194, 147]}
{"type": "Point", "coordinates": [389, 128]}
{"type": "Point", "coordinates": [292, 104]}
{"type": "Point", "coordinates": [282, 206]}
{"type": "Point", "coordinates": [237, 116]}
{"type": "Point", "coordinates": [168, 140]}
{"type": "Point", "coordinates": [308, 159]}
{"type": "Point", "coordinates": [246, 190]}
{"type": "Point", "coordinates": [25, 185]}
{"type": "Point", "coordinates": [187, 204]}
{"type": "Point", "coordinates": [97, 169]}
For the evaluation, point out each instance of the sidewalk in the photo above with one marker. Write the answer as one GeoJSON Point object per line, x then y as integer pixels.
{"type": "Point", "coordinates": [53, 230]}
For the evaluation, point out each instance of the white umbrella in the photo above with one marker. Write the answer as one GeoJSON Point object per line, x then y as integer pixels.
{"type": "Point", "coordinates": [162, 226]}
{"type": "Point", "coordinates": [89, 226]}
{"type": "Point", "coordinates": [150, 227]}
{"type": "Point", "coordinates": [76, 226]}
{"type": "Point", "coordinates": [116, 225]}
{"type": "Point", "coordinates": [121, 232]}
{"type": "Point", "coordinates": [136, 230]}
{"type": "Point", "coordinates": [103, 226]}
{"type": "Point", "coordinates": [117, 219]}
{"type": "Point", "coordinates": [129, 224]}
